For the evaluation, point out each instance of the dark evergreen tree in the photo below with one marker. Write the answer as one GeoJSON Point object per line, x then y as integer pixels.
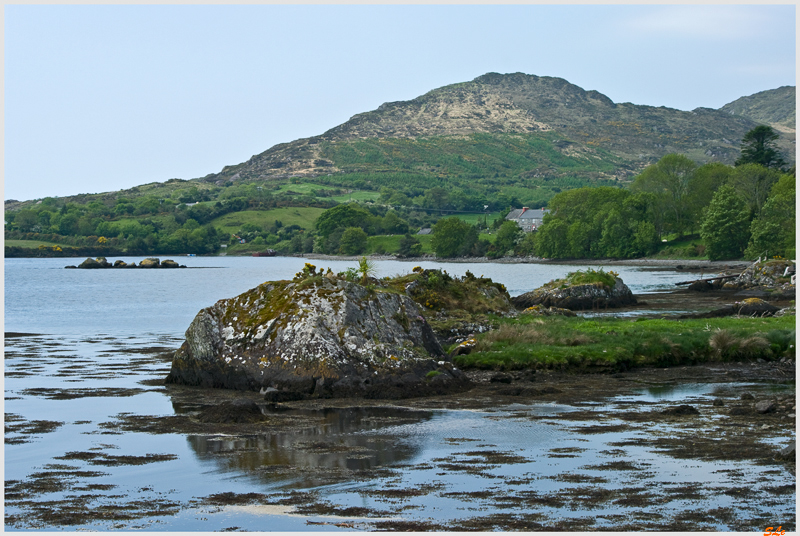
{"type": "Point", "coordinates": [758, 147]}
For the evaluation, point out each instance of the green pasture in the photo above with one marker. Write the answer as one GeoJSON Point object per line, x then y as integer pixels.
{"type": "Point", "coordinates": [302, 216]}
{"type": "Point", "coordinates": [32, 244]}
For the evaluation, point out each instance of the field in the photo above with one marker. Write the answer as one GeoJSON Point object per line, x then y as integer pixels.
{"type": "Point", "coordinates": [391, 243]}
{"type": "Point", "coordinates": [358, 195]}
{"type": "Point", "coordinates": [302, 216]}
{"type": "Point", "coordinates": [33, 244]}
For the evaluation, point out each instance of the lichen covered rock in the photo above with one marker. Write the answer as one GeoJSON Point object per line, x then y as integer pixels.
{"type": "Point", "coordinates": [99, 262]}
{"type": "Point", "coordinates": [315, 337]}
{"type": "Point", "coordinates": [150, 262]}
{"type": "Point", "coordinates": [772, 273]}
{"type": "Point", "coordinates": [579, 291]}
{"type": "Point", "coordinates": [541, 310]}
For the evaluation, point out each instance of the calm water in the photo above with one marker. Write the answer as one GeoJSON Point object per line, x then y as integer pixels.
{"type": "Point", "coordinates": [93, 324]}
{"type": "Point", "coordinates": [42, 297]}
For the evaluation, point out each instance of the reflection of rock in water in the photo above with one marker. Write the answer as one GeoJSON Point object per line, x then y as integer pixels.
{"type": "Point", "coordinates": [324, 440]}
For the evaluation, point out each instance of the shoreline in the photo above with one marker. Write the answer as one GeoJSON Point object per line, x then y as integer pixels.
{"type": "Point", "coordinates": [680, 264]}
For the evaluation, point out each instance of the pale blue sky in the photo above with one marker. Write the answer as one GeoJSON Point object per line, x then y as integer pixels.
{"type": "Point", "coordinates": [99, 98]}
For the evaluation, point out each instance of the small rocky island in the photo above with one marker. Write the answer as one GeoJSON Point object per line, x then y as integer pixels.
{"type": "Point", "coordinates": [150, 262]}
{"type": "Point", "coordinates": [581, 290]}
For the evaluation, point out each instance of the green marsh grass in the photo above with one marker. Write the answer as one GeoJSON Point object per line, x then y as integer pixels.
{"type": "Point", "coordinates": [620, 343]}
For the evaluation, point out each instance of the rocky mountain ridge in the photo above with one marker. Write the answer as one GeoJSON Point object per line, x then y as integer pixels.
{"type": "Point", "coordinates": [585, 123]}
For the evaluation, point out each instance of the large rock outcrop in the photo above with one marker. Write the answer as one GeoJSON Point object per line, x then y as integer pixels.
{"type": "Point", "coordinates": [579, 291]}
{"type": "Point", "coordinates": [315, 336]}
{"type": "Point", "coordinates": [775, 273]}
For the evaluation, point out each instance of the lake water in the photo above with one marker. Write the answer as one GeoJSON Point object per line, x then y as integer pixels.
{"type": "Point", "coordinates": [42, 297]}
{"type": "Point", "coordinates": [94, 354]}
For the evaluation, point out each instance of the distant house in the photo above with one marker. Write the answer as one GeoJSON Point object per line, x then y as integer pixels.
{"type": "Point", "coordinates": [527, 219]}
{"type": "Point", "coordinates": [424, 231]}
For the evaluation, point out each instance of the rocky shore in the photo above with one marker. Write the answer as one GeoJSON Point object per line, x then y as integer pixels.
{"type": "Point", "coordinates": [679, 264]}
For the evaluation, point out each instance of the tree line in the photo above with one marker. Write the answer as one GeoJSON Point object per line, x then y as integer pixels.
{"type": "Point", "coordinates": [742, 210]}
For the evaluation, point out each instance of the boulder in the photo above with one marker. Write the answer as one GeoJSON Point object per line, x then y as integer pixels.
{"type": "Point", "coordinates": [747, 307]}
{"type": "Point", "coordinates": [169, 263]}
{"type": "Point", "coordinates": [574, 294]}
{"type": "Point", "coordinates": [464, 347]}
{"type": "Point", "coordinates": [99, 262]}
{"type": "Point", "coordinates": [315, 337]}
{"type": "Point", "coordinates": [755, 307]}
{"type": "Point", "coordinates": [120, 264]}
{"type": "Point", "coordinates": [769, 273]}
{"type": "Point", "coordinates": [788, 452]}
{"type": "Point", "coordinates": [683, 409]}
{"type": "Point", "coordinates": [150, 262]}
{"type": "Point", "coordinates": [701, 286]}
{"type": "Point", "coordinates": [765, 406]}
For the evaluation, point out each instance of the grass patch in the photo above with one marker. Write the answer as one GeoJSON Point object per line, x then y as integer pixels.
{"type": "Point", "coordinates": [302, 216]}
{"type": "Point", "coordinates": [391, 243]}
{"type": "Point", "coordinates": [472, 219]}
{"type": "Point", "coordinates": [687, 247]}
{"type": "Point", "coordinates": [32, 244]}
{"type": "Point", "coordinates": [618, 343]}
{"type": "Point", "coordinates": [358, 195]}
{"type": "Point", "coordinates": [591, 277]}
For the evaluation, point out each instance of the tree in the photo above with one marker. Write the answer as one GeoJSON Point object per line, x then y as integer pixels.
{"type": "Point", "coordinates": [452, 237]}
{"type": "Point", "coordinates": [706, 181]}
{"type": "Point", "coordinates": [725, 227]}
{"type": "Point", "coordinates": [342, 216]}
{"type": "Point", "coordinates": [758, 147]}
{"type": "Point", "coordinates": [773, 232]}
{"type": "Point", "coordinates": [393, 224]}
{"type": "Point", "coordinates": [507, 237]}
{"type": "Point", "coordinates": [409, 246]}
{"type": "Point", "coordinates": [551, 238]}
{"type": "Point", "coordinates": [669, 181]}
{"type": "Point", "coordinates": [353, 241]}
{"type": "Point", "coordinates": [753, 183]}
{"type": "Point", "coordinates": [25, 219]}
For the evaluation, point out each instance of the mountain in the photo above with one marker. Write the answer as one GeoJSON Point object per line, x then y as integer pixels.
{"type": "Point", "coordinates": [575, 133]}
{"type": "Point", "coordinates": [774, 107]}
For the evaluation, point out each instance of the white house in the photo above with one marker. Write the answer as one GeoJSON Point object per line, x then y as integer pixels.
{"type": "Point", "coordinates": [528, 219]}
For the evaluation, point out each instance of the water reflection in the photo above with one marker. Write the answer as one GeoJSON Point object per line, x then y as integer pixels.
{"type": "Point", "coordinates": [331, 439]}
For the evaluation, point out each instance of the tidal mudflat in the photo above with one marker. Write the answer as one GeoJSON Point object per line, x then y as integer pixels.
{"type": "Point", "coordinates": [94, 440]}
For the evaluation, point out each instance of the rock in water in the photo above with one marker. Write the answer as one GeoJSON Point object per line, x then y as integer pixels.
{"type": "Point", "coordinates": [579, 291]}
{"type": "Point", "coordinates": [320, 337]}
{"type": "Point", "coordinates": [99, 262]}
{"type": "Point", "coordinates": [150, 262]}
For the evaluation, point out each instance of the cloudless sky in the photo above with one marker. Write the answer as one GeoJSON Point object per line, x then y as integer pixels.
{"type": "Point", "coordinates": [104, 97]}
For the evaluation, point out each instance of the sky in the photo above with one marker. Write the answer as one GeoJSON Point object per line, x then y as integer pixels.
{"type": "Point", "coordinates": [100, 98]}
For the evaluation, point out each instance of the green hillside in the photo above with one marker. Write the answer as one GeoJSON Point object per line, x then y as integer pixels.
{"type": "Point", "coordinates": [496, 142]}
